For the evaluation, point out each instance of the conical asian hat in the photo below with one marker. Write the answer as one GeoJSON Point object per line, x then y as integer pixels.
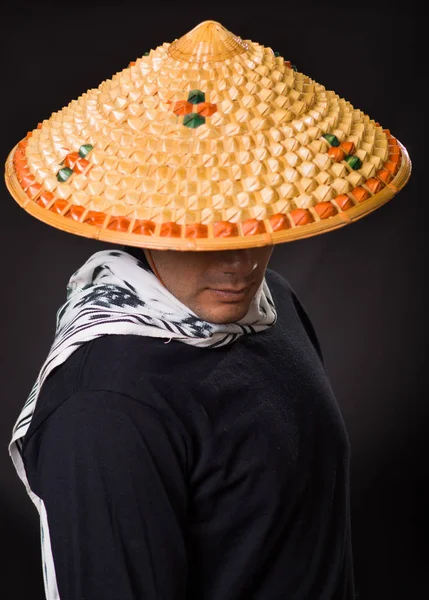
{"type": "Point", "coordinates": [209, 142]}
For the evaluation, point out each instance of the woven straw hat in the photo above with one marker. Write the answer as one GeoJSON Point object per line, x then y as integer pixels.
{"type": "Point", "coordinates": [206, 143]}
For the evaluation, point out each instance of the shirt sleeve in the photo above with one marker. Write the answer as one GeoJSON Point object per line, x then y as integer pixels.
{"type": "Point", "coordinates": [112, 475]}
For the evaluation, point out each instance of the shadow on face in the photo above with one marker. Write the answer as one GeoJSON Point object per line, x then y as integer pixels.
{"type": "Point", "coordinates": [218, 286]}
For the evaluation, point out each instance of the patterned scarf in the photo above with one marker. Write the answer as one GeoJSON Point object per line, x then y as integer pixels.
{"type": "Point", "coordinates": [115, 292]}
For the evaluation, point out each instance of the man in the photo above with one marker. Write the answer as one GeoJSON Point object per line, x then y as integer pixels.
{"type": "Point", "coordinates": [182, 439]}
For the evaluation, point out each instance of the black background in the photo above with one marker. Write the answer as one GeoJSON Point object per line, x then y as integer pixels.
{"type": "Point", "coordinates": [363, 285]}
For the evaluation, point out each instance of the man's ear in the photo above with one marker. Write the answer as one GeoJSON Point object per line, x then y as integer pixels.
{"type": "Point", "coordinates": [151, 262]}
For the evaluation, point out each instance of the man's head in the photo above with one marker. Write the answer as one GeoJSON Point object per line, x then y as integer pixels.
{"type": "Point", "coordinates": [218, 286]}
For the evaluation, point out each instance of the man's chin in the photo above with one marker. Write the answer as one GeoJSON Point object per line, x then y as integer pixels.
{"type": "Point", "coordinates": [225, 313]}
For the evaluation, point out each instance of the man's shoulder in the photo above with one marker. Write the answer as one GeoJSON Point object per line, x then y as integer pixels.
{"type": "Point", "coordinates": [278, 284]}
{"type": "Point", "coordinates": [131, 356]}
{"type": "Point", "coordinates": [114, 363]}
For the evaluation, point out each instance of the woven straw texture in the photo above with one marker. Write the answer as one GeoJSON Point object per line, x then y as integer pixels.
{"type": "Point", "coordinates": [206, 143]}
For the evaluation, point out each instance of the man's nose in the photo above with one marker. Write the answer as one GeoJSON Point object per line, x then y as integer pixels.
{"type": "Point", "coordinates": [238, 262]}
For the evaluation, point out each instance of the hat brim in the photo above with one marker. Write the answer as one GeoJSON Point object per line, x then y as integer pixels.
{"type": "Point", "coordinates": [170, 238]}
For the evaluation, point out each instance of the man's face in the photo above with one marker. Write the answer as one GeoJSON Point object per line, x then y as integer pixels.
{"type": "Point", "coordinates": [218, 286]}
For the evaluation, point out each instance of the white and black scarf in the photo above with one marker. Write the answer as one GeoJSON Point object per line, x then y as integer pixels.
{"type": "Point", "coordinates": [116, 293]}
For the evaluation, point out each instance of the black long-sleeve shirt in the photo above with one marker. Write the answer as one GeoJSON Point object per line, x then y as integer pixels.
{"type": "Point", "coordinates": [170, 472]}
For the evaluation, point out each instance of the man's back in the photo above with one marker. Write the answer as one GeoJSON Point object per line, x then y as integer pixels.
{"type": "Point", "coordinates": [177, 472]}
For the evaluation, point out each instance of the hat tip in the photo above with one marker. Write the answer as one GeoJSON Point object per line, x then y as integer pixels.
{"type": "Point", "coordinates": [208, 41]}
{"type": "Point", "coordinates": [209, 23]}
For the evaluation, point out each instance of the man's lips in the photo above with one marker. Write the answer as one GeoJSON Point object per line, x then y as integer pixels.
{"type": "Point", "coordinates": [230, 294]}
{"type": "Point", "coordinates": [231, 290]}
